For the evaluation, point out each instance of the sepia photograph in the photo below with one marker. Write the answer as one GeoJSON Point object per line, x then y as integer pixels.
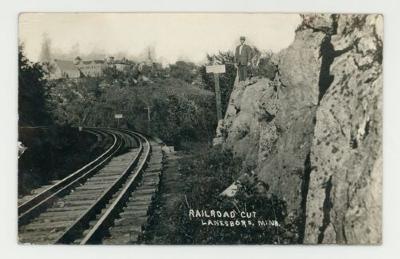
{"type": "Point", "coordinates": [200, 128]}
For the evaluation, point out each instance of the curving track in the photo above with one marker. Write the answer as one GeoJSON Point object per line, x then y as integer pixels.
{"type": "Point", "coordinates": [106, 201]}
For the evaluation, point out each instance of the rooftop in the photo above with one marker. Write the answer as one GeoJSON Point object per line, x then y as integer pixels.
{"type": "Point", "coordinates": [66, 65]}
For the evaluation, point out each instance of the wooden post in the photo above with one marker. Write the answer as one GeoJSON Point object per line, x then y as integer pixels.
{"type": "Point", "coordinates": [218, 96]}
{"type": "Point", "coordinates": [216, 70]}
{"type": "Point", "coordinates": [118, 117]}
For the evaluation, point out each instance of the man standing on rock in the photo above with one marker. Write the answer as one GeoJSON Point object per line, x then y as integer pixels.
{"type": "Point", "coordinates": [242, 58]}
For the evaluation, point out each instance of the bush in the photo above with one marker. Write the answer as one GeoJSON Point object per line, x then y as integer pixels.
{"type": "Point", "coordinates": [266, 68]}
{"type": "Point", "coordinates": [186, 71]}
{"type": "Point", "coordinates": [204, 179]}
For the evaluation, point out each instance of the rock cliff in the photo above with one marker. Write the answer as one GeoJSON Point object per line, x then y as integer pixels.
{"type": "Point", "coordinates": [313, 133]}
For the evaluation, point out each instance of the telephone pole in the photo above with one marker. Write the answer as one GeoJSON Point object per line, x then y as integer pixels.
{"type": "Point", "coordinates": [148, 108]}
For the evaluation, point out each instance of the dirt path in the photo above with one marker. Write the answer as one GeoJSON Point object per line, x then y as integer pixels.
{"type": "Point", "coordinates": [162, 226]}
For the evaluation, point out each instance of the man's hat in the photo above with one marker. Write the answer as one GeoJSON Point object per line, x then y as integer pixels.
{"type": "Point", "coordinates": [242, 38]}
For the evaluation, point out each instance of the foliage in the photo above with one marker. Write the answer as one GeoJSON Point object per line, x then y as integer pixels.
{"type": "Point", "coordinates": [186, 71]}
{"type": "Point", "coordinates": [178, 111]}
{"type": "Point", "coordinates": [204, 176]}
{"type": "Point", "coordinates": [133, 74]}
{"type": "Point", "coordinates": [32, 93]}
{"type": "Point", "coordinates": [112, 75]}
{"type": "Point", "coordinates": [71, 102]}
{"type": "Point", "coordinates": [264, 65]}
{"type": "Point", "coordinates": [180, 108]}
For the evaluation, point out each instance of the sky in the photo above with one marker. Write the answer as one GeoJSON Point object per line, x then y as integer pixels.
{"type": "Point", "coordinates": [173, 36]}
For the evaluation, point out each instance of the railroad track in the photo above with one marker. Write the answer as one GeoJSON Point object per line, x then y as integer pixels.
{"type": "Point", "coordinates": [106, 201]}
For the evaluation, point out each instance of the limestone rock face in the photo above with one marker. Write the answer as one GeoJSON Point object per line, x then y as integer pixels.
{"type": "Point", "coordinates": [344, 198]}
{"type": "Point", "coordinates": [313, 133]}
{"type": "Point", "coordinates": [270, 123]}
{"type": "Point", "coordinates": [283, 169]}
{"type": "Point", "coordinates": [246, 118]}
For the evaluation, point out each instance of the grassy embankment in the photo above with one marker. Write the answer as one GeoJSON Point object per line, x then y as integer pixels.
{"type": "Point", "coordinates": [203, 173]}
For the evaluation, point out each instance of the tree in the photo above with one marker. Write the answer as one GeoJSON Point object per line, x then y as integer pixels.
{"type": "Point", "coordinates": [264, 65]}
{"type": "Point", "coordinates": [45, 53]}
{"type": "Point", "coordinates": [186, 71]}
{"type": "Point", "coordinates": [32, 106]}
{"type": "Point", "coordinates": [112, 75]}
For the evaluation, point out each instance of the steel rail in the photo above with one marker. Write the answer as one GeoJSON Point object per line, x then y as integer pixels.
{"type": "Point", "coordinates": [103, 223]}
{"type": "Point", "coordinates": [41, 201]}
{"type": "Point", "coordinates": [80, 224]}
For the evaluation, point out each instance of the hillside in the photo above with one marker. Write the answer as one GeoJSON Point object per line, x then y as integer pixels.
{"type": "Point", "coordinates": [170, 108]}
{"type": "Point", "coordinates": [314, 132]}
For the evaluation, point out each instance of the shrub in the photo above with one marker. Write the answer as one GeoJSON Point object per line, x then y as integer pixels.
{"type": "Point", "coordinates": [204, 179]}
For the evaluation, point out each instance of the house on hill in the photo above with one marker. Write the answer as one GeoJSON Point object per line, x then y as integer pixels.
{"type": "Point", "coordinates": [64, 69]}
{"type": "Point", "coordinates": [90, 68]}
{"type": "Point", "coordinates": [86, 68]}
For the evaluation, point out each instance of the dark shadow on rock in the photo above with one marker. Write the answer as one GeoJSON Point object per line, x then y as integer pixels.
{"type": "Point", "coordinates": [304, 193]}
{"type": "Point", "coordinates": [327, 206]}
{"type": "Point", "coordinates": [328, 54]}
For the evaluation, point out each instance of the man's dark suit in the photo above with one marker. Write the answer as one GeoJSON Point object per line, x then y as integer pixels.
{"type": "Point", "coordinates": [242, 58]}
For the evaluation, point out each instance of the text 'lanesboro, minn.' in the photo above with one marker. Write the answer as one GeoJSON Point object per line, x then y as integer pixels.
{"type": "Point", "coordinates": [232, 218]}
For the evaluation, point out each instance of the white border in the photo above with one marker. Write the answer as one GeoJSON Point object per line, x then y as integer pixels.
{"type": "Point", "coordinates": [8, 109]}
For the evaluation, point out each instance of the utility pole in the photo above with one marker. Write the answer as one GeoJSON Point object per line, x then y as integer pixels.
{"type": "Point", "coordinates": [148, 108]}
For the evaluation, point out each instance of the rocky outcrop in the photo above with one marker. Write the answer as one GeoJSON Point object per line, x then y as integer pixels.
{"type": "Point", "coordinates": [248, 119]}
{"type": "Point", "coordinates": [313, 133]}
{"type": "Point", "coordinates": [344, 197]}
